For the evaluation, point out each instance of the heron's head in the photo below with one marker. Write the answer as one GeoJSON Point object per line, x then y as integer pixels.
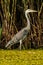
{"type": "Point", "coordinates": [29, 10]}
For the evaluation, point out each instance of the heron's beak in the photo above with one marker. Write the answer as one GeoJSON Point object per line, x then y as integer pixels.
{"type": "Point", "coordinates": [32, 10]}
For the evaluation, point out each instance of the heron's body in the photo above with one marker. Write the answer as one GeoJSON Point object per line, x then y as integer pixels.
{"type": "Point", "coordinates": [22, 33]}
{"type": "Point", "coordinates": [19, 36]}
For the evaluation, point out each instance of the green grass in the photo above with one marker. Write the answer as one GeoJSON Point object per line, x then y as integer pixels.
{"type": "Point", "coordinates": [24, 57]}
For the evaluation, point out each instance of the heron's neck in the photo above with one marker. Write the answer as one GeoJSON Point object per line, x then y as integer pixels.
{"type": "Point", "coordinates": [28, 22]}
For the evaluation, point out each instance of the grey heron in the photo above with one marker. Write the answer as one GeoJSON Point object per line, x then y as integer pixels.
{"type": "Point", "coordinates": [22, 33]}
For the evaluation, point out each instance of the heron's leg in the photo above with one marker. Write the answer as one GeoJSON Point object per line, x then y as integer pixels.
{"type": "Point", "coordinates": [20, 44]}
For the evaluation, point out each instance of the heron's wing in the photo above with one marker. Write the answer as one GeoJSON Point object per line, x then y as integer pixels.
{"type": "Point", "coordinates": [20, 35]}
